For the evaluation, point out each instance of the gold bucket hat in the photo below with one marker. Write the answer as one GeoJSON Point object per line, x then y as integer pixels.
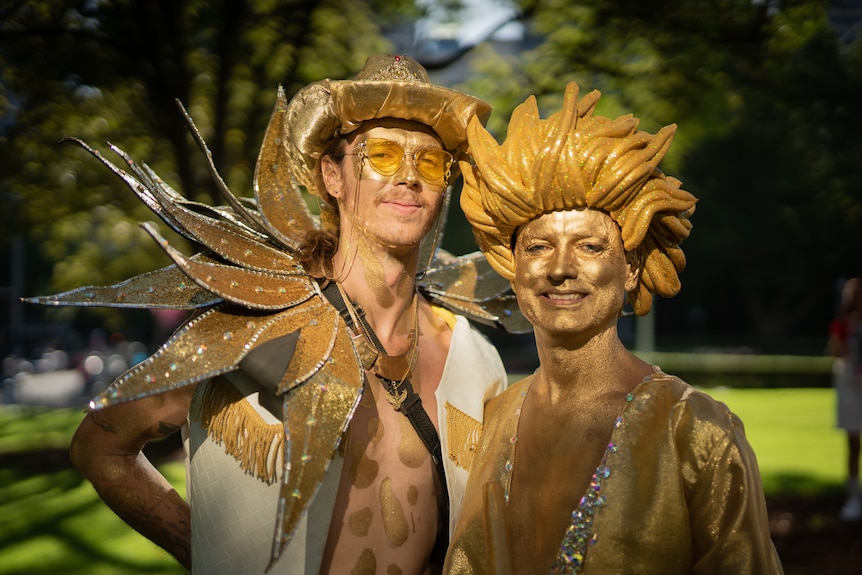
{"type": "Point", "coordinates": [572, 160]}
{"type": "Point", "coordinates": [388, 86]}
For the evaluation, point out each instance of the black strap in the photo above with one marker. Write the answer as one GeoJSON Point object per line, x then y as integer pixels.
{"type": "Point", "coordinates": [412, 406]}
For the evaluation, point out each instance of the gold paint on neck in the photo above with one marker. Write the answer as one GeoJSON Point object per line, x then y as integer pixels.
{"type": "Point", "coordinates": [395, 368]}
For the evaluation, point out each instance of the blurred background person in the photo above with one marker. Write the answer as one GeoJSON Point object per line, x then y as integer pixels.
{"type": "Point", "coordinates": [845, 343]}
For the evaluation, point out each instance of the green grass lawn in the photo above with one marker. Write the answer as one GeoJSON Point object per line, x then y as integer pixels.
{"type": "Point", "coordinates": [51, 521]}
{"type": "Point", "coordinates": [793, 433]}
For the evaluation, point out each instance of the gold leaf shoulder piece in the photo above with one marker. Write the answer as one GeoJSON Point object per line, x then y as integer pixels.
{"type": "Point", "coordinates": [166, 288]}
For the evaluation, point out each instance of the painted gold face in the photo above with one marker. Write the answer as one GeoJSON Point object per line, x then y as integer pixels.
{"type": "Point", "coordinates": [571, 273]}
{"type": "Point", "coordinates": [397, 209]}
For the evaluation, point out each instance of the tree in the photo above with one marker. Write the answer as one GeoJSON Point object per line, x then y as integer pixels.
{"type": "Point", "coordinates": [764, 96]}
{"type": "Point", "coordinates": [114, 71]}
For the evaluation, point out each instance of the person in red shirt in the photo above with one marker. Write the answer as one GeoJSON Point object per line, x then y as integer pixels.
{"type": "Point", "coordinates": [845, 343]}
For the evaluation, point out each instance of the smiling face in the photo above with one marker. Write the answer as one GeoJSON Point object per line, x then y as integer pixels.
{"type": "Point", "coordinates": [571, 273]}
{"type": "Point", "coordinates": [395, 210]}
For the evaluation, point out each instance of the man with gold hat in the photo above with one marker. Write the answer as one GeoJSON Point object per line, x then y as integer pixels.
{"type": "Point", "coordinates": [598, 462]}
{"type": "Point", "coordinates": [331, 410]}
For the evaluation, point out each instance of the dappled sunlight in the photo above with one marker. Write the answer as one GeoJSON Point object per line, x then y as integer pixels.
{"type": "Point", "coordinates": [53, 520]}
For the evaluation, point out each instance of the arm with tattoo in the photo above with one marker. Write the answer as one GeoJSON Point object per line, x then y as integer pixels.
{"type": "Point", "coordinates": [106, 449]}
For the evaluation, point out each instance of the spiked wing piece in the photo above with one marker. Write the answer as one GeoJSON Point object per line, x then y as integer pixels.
{"type": "Point", "coordinates": [470, 287]}
{"type": "Point", "coordinates": [251, 291]}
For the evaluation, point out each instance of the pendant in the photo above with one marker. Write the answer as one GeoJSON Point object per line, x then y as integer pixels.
{"type": "Point", "coordinates": [394, 397]}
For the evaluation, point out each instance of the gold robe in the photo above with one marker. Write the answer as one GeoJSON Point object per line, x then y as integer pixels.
{"type": "Point", "coordinates": [678, 491]}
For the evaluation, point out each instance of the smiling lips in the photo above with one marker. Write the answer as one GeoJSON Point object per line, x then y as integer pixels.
{"type": "Point", "coordinates": [402, 202]}
{"type": "Point", "coordinates": [564, 298]}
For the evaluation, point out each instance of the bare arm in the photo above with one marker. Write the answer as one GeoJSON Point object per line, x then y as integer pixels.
{"type": "Point", "coordinates": [106, 449]}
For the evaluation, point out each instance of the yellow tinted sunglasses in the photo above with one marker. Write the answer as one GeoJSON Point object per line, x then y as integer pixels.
{"type": "Point", "coordinates": [385, 157]}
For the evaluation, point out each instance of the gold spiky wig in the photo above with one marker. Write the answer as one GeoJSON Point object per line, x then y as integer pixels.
{"type": "Point", "coordinates": [574, 159]}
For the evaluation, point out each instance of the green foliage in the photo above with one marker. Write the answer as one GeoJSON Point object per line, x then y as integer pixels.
{"type": "Point", "coordinates": [766, 101]}
{"type": "Point", "coordinates": [788, 199]}
{"type": "Point", "coordinates": [114, 71]}
{"type": "Point", "coordinates": [765, 98]}
{"type": "Point", "coordinates": [24, 429]}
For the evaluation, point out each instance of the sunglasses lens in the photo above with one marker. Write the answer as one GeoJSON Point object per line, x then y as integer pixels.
{"type": "Point", "coordinates": [433, 164]}
{"type": "Point", "coordinates": [386, 157]}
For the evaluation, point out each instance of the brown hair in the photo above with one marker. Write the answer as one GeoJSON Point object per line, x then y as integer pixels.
{"type": "Point", "coordinates": [316, 252]}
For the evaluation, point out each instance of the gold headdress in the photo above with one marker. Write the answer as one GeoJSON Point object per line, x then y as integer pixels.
{"type": "Point", "coordinates": [574, 159]}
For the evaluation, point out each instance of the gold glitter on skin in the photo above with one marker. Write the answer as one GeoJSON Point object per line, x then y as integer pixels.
{"type": "Point", "coordinates": [363, 470]}
{"type": "Point", "coordinates": [360, 521]}
{"type": "Point", "coordinates": [112, 472]}
{"type": "Point", "coordinates": [411, 450]}
{"type": "Point", "coordinates": [412, 495]}
{"type": "Point", "coordinates": [554, 249]}
{"type": "Point", "coordinates": [375, 430]}
{"type": "Point", "coordinates": [394, 521]}
{"type": "Point", "coordinates": [366, 564]}
{"type": "Point", "coordinates": [367, 399]}
{"type": "Point", "coordinates": [612, 169]}
{"type": "Point", "coordinates": [361, 208]}
{"type": "Point", "coordinates": [393, 570]}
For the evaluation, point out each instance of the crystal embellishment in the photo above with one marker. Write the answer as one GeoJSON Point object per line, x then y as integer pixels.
{"type": "Point", "coordinates": [579, 535]}
{"type": "Point", "coordinates": [397, 71]}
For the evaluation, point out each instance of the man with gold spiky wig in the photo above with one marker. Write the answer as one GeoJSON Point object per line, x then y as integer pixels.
{"type": "Point", "coordinates": [598, 462]}
{"type": "Point", "coordinates": [330, 383]}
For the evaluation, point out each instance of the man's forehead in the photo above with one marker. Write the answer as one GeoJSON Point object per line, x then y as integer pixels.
{"type": "Point", "coordinates": [575, 221]}
{"type": "Point", "coordinates": [398, 130]}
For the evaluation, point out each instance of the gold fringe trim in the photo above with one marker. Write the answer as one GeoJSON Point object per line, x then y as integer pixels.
{"type": "Point", "coordinates": [464, 435]}
{"type": "Point", "coordinates": [233, 423]}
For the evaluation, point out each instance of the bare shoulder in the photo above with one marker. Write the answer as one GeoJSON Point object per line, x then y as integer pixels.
{"type": "Point", "coordinates": [435, 329]}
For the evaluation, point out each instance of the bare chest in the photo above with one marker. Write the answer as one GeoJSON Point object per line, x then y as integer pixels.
{"type": "Point", "coordinates": [386, 511]}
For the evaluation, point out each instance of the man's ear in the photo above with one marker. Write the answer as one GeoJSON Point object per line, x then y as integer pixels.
{"type": "Point", "coordinates": [332, 176]}
{"type": "Point", "coordinates": [634, 266]}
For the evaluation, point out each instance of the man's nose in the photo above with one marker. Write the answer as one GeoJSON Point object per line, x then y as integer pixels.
{"type": "Point", "coordinates": [407, 172]}
{"type": "Point", "coordinates": [563, 265]}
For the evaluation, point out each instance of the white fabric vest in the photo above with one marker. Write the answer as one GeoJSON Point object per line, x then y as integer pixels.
{"type": "Point", "coordinates": [233, 513]}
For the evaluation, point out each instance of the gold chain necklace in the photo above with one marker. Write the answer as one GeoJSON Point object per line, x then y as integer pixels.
{"type": "Point", "coordinates": [392, 370]}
